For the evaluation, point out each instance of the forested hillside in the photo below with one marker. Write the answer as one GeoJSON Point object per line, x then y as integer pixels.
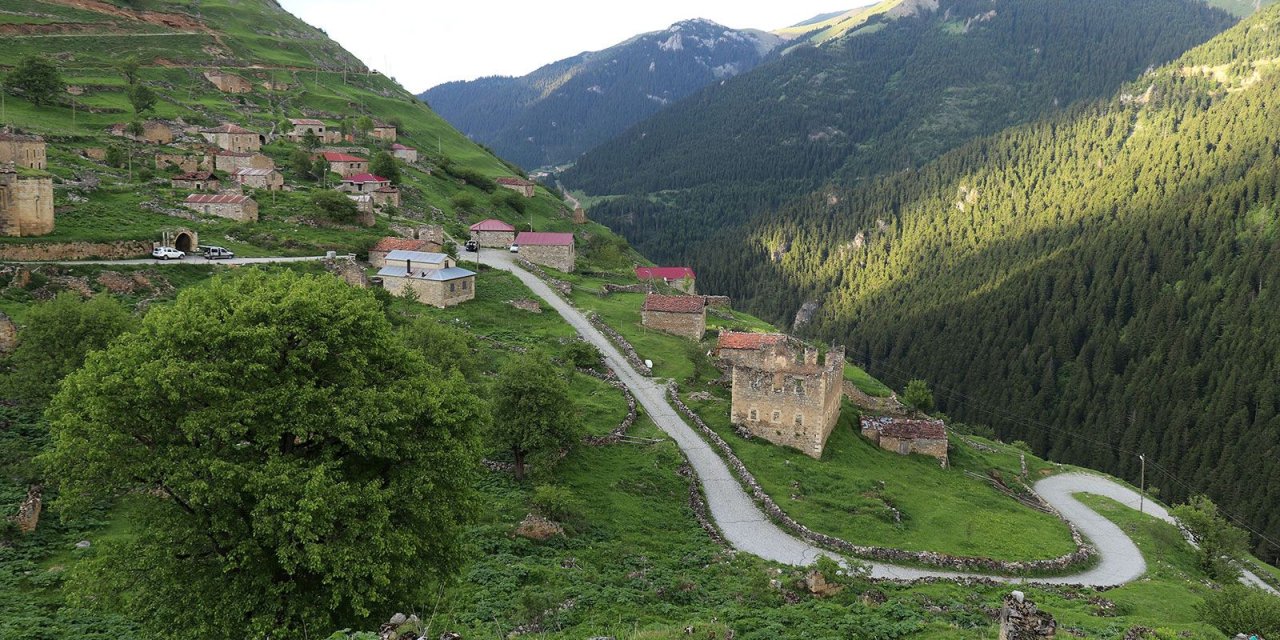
{"type": "Point", "coordinates": [1100, 284]}
{"type": "Point", "coordinates": [555, 113]}
{"type": "Point", "coordinates": [893, 95]}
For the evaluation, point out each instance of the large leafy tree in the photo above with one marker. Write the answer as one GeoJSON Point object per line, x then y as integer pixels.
{"type": "Point", "coordinates": [38, 79]}
{"type": "Point", "coordinates": [142, 98]}
{"type": "Point", "coordinates": [295, 467]}
{"type": "Point", "coordinates": [55, 338]}
{"type": "Point", "coordinates": [533, 412]}
{"type": "Point", "coordinates": [383, 164]}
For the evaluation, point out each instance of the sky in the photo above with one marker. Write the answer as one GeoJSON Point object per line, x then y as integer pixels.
{"type": "Point", "coordinates": [422, 43]}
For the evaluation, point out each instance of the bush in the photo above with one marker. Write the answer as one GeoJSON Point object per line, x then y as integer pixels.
{"type": "Point", "coordinates": [334, 205]}
{"type": "Point", "coordinates": [583, 354]}
{"type": "Point", "coordinates": [918, 396]}
{"type": "Point", "coordinates": [463, 200]}
{"type": "Point", "coordinates": [1239, 609]}
{"type": "Point", "coordinates": [556, 502]}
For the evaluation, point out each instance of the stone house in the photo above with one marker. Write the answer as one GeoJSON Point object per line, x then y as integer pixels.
{"type": "Point", "coordinates": [26, 203]}
{"type": "Point", "coordinates": [344, 164]}
{"type": "Point", "coordinates": [554, 250]}
{"type": "Point", "coordinates": [407, 154]}
{"type": "Point", "coordinates": [684, 316]}
{"type": "Point", "coordinates": [364, 205]}
{"type": "Point", "coordinates": [196, 181]}
{"type": "Point", "coordinates": [22, 150]}
{"type": "Point", "coordinates": [782, 391]}
{"type": "Point", "coordinates": [433, 277]}
{"type": "Point", "coordinates": [493, 233]}
{"type": "Point", "coordinates": [906, 436]}
{"type": "Point", "coordinates": [681, 278]}
{"type": "Point", "coordinates": [187, 163]}
{"type": "Point", "coordinates": [363, 183]}
{"type": "Point", "coordinates": [259, 178]}
{"type": "Point", "coordinates": [231, 161]}
{"type": "Point", "coordinates": [153, 131]}
{"type": "Point", "coordinates": [224, 205]}
{"type": "Point", "coordinates": [228, 83]}
{"type": "Point", "coordinates": [382, 131]}
{"type": "Point", "coordinates": [378, 254]}
{"type": "Point", "coordinates": [321, 130]}
{"type": "Point", "coordinates": [388, 195]}
{"type": "Point", "coordinates": [518, 185]}
{"type": "Point", "coordinates": [234, 138]}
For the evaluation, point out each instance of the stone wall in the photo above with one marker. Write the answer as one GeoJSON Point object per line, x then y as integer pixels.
{"type": "Point", "coordinates": [241, 212]}
{"type": "Point", "coordinates": [1081, 555]}
{"type": "Point", "coordinates": [23, 151]}
{"type": "Point", "coordinates": [720, 302]}
{"type": "Point", "coordinates": [559, 286]}
{"type": "Point", "coordinates": [923, 446]}
{"type": "Point", "coordinates": [1020, 619]}
{"type": "Point", "coordinates": [609, 288]}
{"type": "Point", "coordinates": [119, 250]}
{"type": "Point", "coordinates": [26, 205]}
{"type": "Point", "coordinates": [615, 436]}
{"type": "Point", "coordinates": [184, 162]}
{"type": "Point", "coordinates": [495, 239]}
{"type": "Point", "coordinates": [433, 292]}
{"type": "Point", "coordinates": [560, 257]}
{"type": "Point", "coordinates": [685, 325]}
{"type": "Point", "coordinates": [628, 351]}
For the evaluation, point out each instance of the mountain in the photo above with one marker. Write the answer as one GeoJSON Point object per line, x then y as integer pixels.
{"type": "Point", "coordinates": [552, 115]}
{"type": "Point", "coordinates": [829, 26]}
{"type": "Point", "coordinates": [1100, 284]}
{"type": "Point", "coordinates": [865, 104]}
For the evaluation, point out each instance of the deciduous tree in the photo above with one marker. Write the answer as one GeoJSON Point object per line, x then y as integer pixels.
{"type": "Point", "coordinates": [57, 336]}
{"type": "Point", "coordinates": [533, 412]}
{"type": "Point", "coordinates": [38, 79]}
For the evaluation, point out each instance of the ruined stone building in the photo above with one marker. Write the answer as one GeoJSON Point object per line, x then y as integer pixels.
{"type": "Point", "coordinates": [383, 132]}
{"type": "Point", "coordinates": [153, 132]}
{"type": "Point", "coordinates": [195, 181]}
{"type": "Point", "coordinates": [518, 185]}
{"type": "Point", "coordinates": [22, 150]}
{"type": "Point", "coordinates": [301, 126]}
{"type": "Point", "coordinates": [684, 316]}
{"type": "Point", "coordinates": [233, 138]}
{"type": "Point", "coordinates": [26, 203]}
{"type": "Point", "coordinates": [906, 436]}
{"type": "Point", "coordinates": [554, 250]}
{"type": "Point", "coordinates": [259, 178]}
{"type": "Point", "coordinates": [681, 278]}
{"type": "Point", "coordinates": [432, 277]}
{"type": "Point", "coordinates": [223, 205]}
{"type": "Point", "coordinates": [230, 161]}
{"type": "Point", "coordinates": [493, 233]}
{"type": "Point", "coordinates": [228, 83]}
{"type": "Point", "coordinates": [783, 391]}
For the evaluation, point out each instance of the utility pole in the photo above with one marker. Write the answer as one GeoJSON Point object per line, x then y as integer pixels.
{"type": "Point", "coordinates": [1142, 482]}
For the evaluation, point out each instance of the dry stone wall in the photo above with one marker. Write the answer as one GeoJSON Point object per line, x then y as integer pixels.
{"type": "Point", "coordinates": [119, 250]}
{"type": "Point", "coordinates": [1081, 555]}
{"type": "Point", "coordinates": [628, 351]}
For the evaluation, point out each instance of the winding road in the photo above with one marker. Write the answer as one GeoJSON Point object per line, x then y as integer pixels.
{"type": "Point", "coordinates": [748, 529]}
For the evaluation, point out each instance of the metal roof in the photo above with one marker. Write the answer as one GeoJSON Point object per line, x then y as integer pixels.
{"type": "Point", "coordinates": [217, 198]}
{"type": "Point", "coordinates": [435, 275]}
{"type": "Point", "coordinates": [544, 238]}
{"type": "Point", "coordinates": [416, 256]}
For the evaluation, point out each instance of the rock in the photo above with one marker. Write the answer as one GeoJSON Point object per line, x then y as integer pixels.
{"type": "Point", "coordinates": [83, 544]}
{"type": "Point", "coordinates": [874, 598]}
{"type": "Point", "coordinates": [525, 304]}
{"type": "Point", "coordinates": [817, 584]}
{"type": "Point", "coordinates": [8, 334]}
{"type": "Point", "coordinates": [1021, 620]}
{"type": "Point", "coordinates": [1018, 596]}
{"type": "Point", "coordinates": [399, 619]}
{"type": "Point", "coordinates": [536, 527]}
{"type": "Point", "coordinates": [451, 635]}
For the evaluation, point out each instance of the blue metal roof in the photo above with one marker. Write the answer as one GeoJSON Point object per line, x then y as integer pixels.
{"type": "Point", "coordinates": [438, 275]}
{"type": "Point", "coordinates": [416, 256]}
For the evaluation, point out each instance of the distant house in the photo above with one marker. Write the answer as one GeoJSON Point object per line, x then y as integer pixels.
{"type": "Point", "coordinates": [433, 277]}
{"type": "Point", "coordinates": [519, 185]}
{"type": "Point", "coordinates": [345, 164]}
{"type": "Point", "coordinates": [235, 207]}
{"type": "Point", "coordinates": [388, 195]}
{"type": "Point", "coordinates": [259, 178]}
{"type": "Point", "coordinates": [22, 150]}
{"type": "Point", "coordinates": [378, 254]}
{"type": "Point", "coordinates": [363, 183]}
{"type": "Point", "coordinates": [153, 131]}
{"type": "Point", "coordinates": [364, 205]}
{"type": "Point", "coordinates": [196, 181]}
{"type": "Point", "coordinates": [185, 162]}
{"type": "Point", "coordinates": [407, 154]}
{"type": "Point", "coordinates": [233, 138]}
{"type": "Point", "coordinates": [684, 316]}
{"type": "Point", "coordinates": [230, 161]}
{"type": "Point", "coordinates": [493, 233]}
{"type": "Point", "coordinates": [383, 131]}
{"type": "Point", "coordinates": [905, 436]}
{"type": "Point", "coordinates": [681, 278]}
{"type": "Point", "coordinates": [554, 250]}
{"type": "Point", "coordinates": [228, 83]}
{"type": "Point", "coordinates": [303, 126]}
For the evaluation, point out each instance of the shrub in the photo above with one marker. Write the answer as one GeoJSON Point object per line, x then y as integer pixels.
{"type": "Point", "coordinates": [556, 502]}
{"type": "Point", "coordinates": [334, 205]}
{"type": "Point", "coordinates": [918, 396]}
{"type": "Point", "coordinates": [1240, 609]}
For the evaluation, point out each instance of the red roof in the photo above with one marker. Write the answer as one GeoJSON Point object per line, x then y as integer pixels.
{"type": "Point", "coordinates": [674, 304]}
{"type": "Point", "coordinates": [514, 181]}
{"type": "Point", "coordinates": [361, 178]}
{"type": "Point", "coordinates": [666, 273]}
{"type": "Point", "coordinates": [749, 341]}
{"type": "Point", "coordinates": [492, 225]}
{"type": "Point", "coordinates": [334, 156]}
{"type": "Point", "coordinates": [227, 128]}
{"type": "Point", "coordinates": [907, 429]}
{"type": "Point", "coordinates": [399, 147]}
{"type": "Point", "coordinates": [399, 244]}
{"type": "Point", "coordinates": [544, 238]}
{"type": "Point", "coordinates": [217, 198]}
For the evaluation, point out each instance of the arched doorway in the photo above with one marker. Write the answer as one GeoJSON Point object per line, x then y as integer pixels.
{"type": "Point", "coordinates": [183, 242]}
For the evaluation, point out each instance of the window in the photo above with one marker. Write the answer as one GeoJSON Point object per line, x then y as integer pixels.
{"type": "Point", "coordinates": [754, 415]}
{"type": "Point", "coordinates": [799, 420]}
{"type": "Point", "coordinates": [451, 287]}
{"type": "Point", "coordinates": [800, 387]}
{"type": "Point", "coordinates": [466, 284]}
{"type": "Point", "coordinates": [777, 415]}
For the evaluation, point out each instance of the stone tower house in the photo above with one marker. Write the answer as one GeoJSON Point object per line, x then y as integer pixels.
{"type": "Point", "coordinates": [26, 204]}
{"type": "Point", "coordinates": [782, 390]}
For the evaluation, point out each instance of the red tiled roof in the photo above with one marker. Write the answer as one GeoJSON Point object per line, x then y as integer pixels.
{"type": "Point", "coordinates": [749, 341]}
{"type": "Point", "coordinates": [194, 175]}
{"type": "Point", "coordinates": [514, 181]}
{"type": "Point", "coordinates": [361, 178]}
{"type": "Point", "coordinates": [217, 198]}
{"type": "Point", "coordinates": [907, 429]}
{"type": "Point", "coordinates": [674, 304]}
{"type": "Point", "coordinates": [492, 225]}
{"type": "Point", "coordinates": [399, 244]}
{"type": "Point", "coordinates": [309, 122]}
{"type": "Point", "coordinates": [544, 238]}
{"type": "Point", "coordinates": [227, 128]}
{"type": "Point", "coordinates": [334, 156]}
{"type": "Point", "coordinates": [666, 273]}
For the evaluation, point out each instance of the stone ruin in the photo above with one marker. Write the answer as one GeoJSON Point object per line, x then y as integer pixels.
{"type": "Point", "coordinates": [1021, 620]}
{"type": "Point", "coordinates": [28, 516]}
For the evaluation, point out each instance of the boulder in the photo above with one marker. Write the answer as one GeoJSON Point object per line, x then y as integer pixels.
{"type": "Point", "coordinates": [1021, 620]}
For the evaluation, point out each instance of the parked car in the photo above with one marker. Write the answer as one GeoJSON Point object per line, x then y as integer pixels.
{"type": "Point", "coordinates": [472, 246]}
{"type": "Point", "coordinates": [217, 253]}
{"type": "Point", "coordinates": [166, 253]}
{"type": "Point", "coordinates": [515, 248]}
